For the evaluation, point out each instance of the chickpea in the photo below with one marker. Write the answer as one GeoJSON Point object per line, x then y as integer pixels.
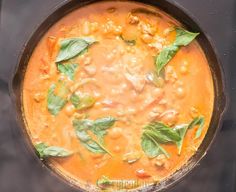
{"type": "Point", "coordinates": [94, 26]}
{"type": "Point", "coordinates": [158, 92]}
{"type": "Point", "coordinates": [146, 38]}
{"type": "Point", "coordinates": [86, 28]}
{"type": "Point", "coordinates": [183, 70]}
{"type": "Point", "coordinates": [133, 19]}
{"type": "Point", "coordinates": [180, 93]}
{"type": "Point", "coordinates": [185, 63]}
{"type": "Point", "coordinates": [70, 109]}
{"type": "Point", "coordinates": [170, 74]}
{"type": "Point", "coordinates": [38, 97]}
{"type": "Point", "coordinates": [90, 70]}
{"type": "Point", "coordinates": [115, 133]}
{"type": "Point", "coordinates": [194, 112]}
{"type": "Point", "coordinates": [163, 102]}
{"type": "Point", "coordinates": [161, 161]}
{"type": "Point", "coordinates": [117, 149]}
{"type": "Point", "coordinates": [153, 115]}
{"type": "Point", "coordinates": [158, 109]}
{"type": "Point", "coordinates": [147, 28]}
{"type": "Point", "coordinates": [110, 56]}
{"type": "Point", "coordinates": [120, 113]}
{"type": "Point", "coordinates": [169, 117]}
{"type": "Point", "coordinates": [118, 30]}
{"type": "Point", "coordinates": [132, 156]}
{"type": "Point", "coordinates": [87, 61]}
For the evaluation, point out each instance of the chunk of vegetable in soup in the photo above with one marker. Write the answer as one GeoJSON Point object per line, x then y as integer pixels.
{"type": "Point", "coordinates": [113, 94]}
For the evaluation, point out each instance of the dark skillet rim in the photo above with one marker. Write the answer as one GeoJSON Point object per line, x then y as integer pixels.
{"type": "Point", "coordinates": [17, 78]}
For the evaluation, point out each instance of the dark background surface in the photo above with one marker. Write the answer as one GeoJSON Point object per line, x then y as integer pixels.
{"type": "Point", "coordinates": [19, 170]}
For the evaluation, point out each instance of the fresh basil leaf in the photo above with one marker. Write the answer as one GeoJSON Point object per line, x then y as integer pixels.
{"type": "Point", "coordinates": [84, 124]}
{"type": "Point", "coordinates": [184, 37]}
{"type": "Point", "coordinates": [104, 123]}
{"type": "Point", "coordinates": [98, 128]}
{"type": "Point", "coordinates": [45, 151]}
{"type": "Point", "coordinates": [68, 69]}
{"type": "Point", "coordinates": [72, 47]}
{"type": "Point", "coordinates": [104, 182]}
{"type": "Point", "coordinates": [197, 121]}
{"type": "Point", "coordinates": [82, 102]}
{"type": "Point", "coordinates": [158, 136]}
{"type": "Point", "coordinates": [94, 147]}
{"type": "Point", "coordinates": [181, 130]}
{"type": "Point", "coordinates": [165, 56]}
{"type": "Point", "coordinates": [131, 42]}
{"type": "Point", "coordinates": [151, 147]}
{"type": "Point", "coordinates": [161, 132]}
{"type": "Point", "coordinates": [56, 102]}
{"type": "Point", "coordinates": [101, 125]}
{"type": "Point", "coordinates": [116, 185]}
{"type": "Point", "coordinates": [75, 99]}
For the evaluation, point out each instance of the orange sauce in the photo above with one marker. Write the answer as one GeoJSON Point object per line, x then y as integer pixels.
{"type": "Point", "coordinates": [107, 65]}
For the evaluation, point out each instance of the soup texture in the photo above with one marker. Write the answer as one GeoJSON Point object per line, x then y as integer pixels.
{"type": "Point", "coordinates": [117, 95]}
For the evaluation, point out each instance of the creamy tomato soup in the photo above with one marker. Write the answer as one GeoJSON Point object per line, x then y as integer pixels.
{"type": "Point", "coordinates": [115, 92]}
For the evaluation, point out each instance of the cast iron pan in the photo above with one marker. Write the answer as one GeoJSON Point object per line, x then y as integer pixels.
{"type": "Point", "coordinates": [175, 11]}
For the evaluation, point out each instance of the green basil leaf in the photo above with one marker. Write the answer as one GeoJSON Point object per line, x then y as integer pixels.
{"type": "Point", "coordinates": [75, 99]}
{"type": "Point", "coordinates": [197, 121]}
{"type": "Point", "coordinates": [68, 69]}
{"type": "Point", "coordinates": [101, 125]}
{"type": "Point", "coordinates": [82, 102]}
{"type": "Point", "coordinates": [151, 147]}
{"type": "Point", "coordinates": [158, 136]}
{"type": "Point", "coordinates": [165, 56]}
{"type": "Point", "coordinates": [72, 47]}
{"type": "Point", "coordinates": [45, 151]}
{"type": "Point", "coordinates": [56, 102]}
{"type": "Point", "coordinates": [94, 147]}
{"type": "Point", "coordinates": [184, 37]}
{"type": "Point", "coordinates": [82, 125]}
{"type": "Point", "coordinates": [104, 182]}
{"type": "Point", "coordinates": [98, 128]}
{"type": "Point", "coordinates": [181, 130]}
{"type": "Point", "coordinates": [117, 185]}
{"type": "Point", "coordinates": [162, 132]}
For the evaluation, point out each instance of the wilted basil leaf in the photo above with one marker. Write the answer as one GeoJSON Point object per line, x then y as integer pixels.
{"type": "Point", "coordinates": [98, 128]}
{"type": "Point", "coordinates": [165, 56]}
{"type": "Point", "coordinates": [72, 47]}
{"type": "Point", "coordinates": [104, 182]}
{"type": "Point", "coordinates": [183, 38]}
{"type": "Point", "coordinates": [151, 147]}
{"type": "Point", "coordinates": [197, 121]}
{"type": "Point", "coordinates": [181, 130]}
{"type": "Point", "coordinates": [161, 132]}
{"type": "Point", "coordinates": [45, 151]}
{"type": "Point", "coordinates": [56, 101]}
{"type": "Point", "coordinates": [82, 101]}
{"type": "Point", "coordinates": [68, 69]}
